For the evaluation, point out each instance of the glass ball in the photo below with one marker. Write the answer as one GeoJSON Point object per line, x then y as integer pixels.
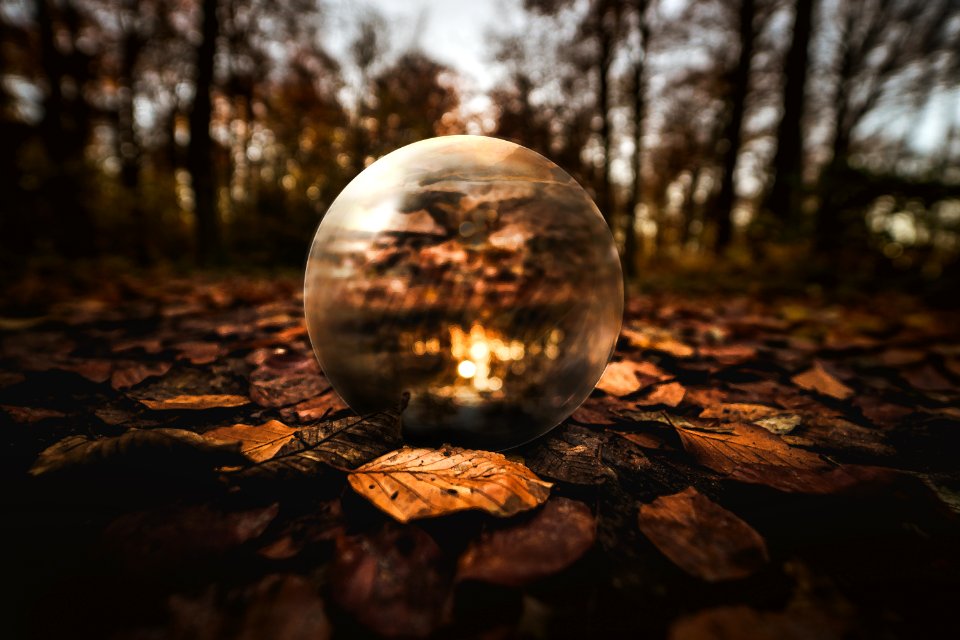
{"type": "Point", "coordinates": [473, 274]}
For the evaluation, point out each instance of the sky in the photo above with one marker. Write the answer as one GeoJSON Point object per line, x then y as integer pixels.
{"type": "Point", "coordinates": [455, 32]}
{"type": "Point", "coordinates": [458, 33]}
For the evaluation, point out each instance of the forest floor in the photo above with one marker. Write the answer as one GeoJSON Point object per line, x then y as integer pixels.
{"type": "Point", "coordinates": [176, 465]}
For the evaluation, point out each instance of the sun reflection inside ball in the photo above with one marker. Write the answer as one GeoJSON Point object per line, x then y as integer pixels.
{"type": "Point", "coordinates": [473, 274]}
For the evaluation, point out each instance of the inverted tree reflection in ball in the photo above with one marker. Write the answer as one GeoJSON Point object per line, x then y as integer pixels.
{"type": "Point", "coordinates": [474, 274]}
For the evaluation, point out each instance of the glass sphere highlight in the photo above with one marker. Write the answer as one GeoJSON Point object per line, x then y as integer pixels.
{"type": "Point", "coordinates": [473, 274]}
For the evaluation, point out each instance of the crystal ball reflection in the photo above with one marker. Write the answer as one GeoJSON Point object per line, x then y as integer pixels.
{"type": "Point", "coordinates": [474, 274]}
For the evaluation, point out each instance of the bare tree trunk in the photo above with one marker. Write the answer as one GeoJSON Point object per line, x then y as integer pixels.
{"type": "Point", "coordinates": [128, 147]}
{"type": "Point", "coordinates": [64, 129]}
{"type": "Point", "coordinates": [733, 134]}
{"type": "Point", "coordinates": [826, 237]}
{"type": "Point", "coordinates": [639, 108]}
{"type": "Point", "coordinates": [606, 41]}
{"type": "Point", "coordinates": [200, 151]}
{"type": "Point", "coordinates": [16, 228]}
{"type": "Point", "coordinates": [785, 198]}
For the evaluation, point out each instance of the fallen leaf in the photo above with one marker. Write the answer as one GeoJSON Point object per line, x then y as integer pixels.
{"type": "Point", "coordinates": [645, 440]}
{"type": "Point", "coordinates": [315, 409]}
{"type": "Point", "coordinates": [569, 454]}
{"type": "Point", "coordinates": [188, 402]}
{"type": "Point", "coordinates": [257, 442]}
{"type": "Point", "coordinates": [553, 539]}
{"type": "Point", "coordinates": [739, 621]}
{"type": "Point", "coordinates": [837, 434]}
{"type": "Point", "coordinates": [271, 387]}
{"type": "Point", "coordinates": [344, 443]}
{"type": "Point", "coordinates": [780, 424]}
{"type": "Point", "coordinates": [927, 378]}
{"type": "Point", "coordinates": [621, 378]}
{"type": "Point", "coordinates": [393, 582]}
{"type": "Point", "coordinates": [27, 415]}
{"type": "Point", "coordinates": [669, 394]}
{"type": "Point", "coordinates": [420, 483]}
{"type": "Point", "coordinates": [321, 524]}
{"type": "Point", "coordinates": [197, 352]}
{"type": "Point", "coordinates": [279, 607]}
{"type": "Point", "coordinates": [595, 411]}
{"type": "Point", "coordinates": [129, 374]}
{"type": "Point", "coordinates": [93, 370]}
{"type": "Point", "coordinates": [705, 397]}
{"type": "Point", "coordinates": [164, 449]}
{"type": "Point", "coordinates": [703, 538]}
{"type": "Point", "coordinates": [728, 354]}
{"type": "Point", "coordinates": [167, 537]}
{"type": "Point", "coordinates": [738, 411]}
{"type": "Point", "coordinates": [656, 340]}
{"type": "Point", "coordinates": [820, 380]}
{"type": "Point", "coordinates": [754, 455]}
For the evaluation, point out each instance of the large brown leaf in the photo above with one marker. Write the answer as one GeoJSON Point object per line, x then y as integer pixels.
{"type": "Point", "coordinates": [553, 539]}
{"type": "Point", "coordinates": [421, 483]}
{"type": "Point", "coordinates": [749, 453]}
{"type": "Point", "coordinates": [701, 537]}
{"type": "Point", "coordinates": [257, 442]}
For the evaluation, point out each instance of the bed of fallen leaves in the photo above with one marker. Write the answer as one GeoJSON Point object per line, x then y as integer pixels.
{"type": "Point", "coordinates": [176, 465]}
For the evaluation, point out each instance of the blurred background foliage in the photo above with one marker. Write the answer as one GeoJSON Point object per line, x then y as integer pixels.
{"type": "Point", "coordinates": [815, 141]}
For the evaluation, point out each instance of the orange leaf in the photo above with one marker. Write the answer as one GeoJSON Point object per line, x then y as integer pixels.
{"type": "Point", "coordinates": [213, 401]}
{"type": "Point", "coordinates": [258, 443]}
{"type": "Point", "coordinates": [421, 483]}
{"type": "Point", "coordinates": [820, 380]}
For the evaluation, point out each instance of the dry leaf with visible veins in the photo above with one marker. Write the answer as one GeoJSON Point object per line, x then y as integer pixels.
{"type": "Point", "coordinates": [421, 483]}
{"type": "Point", "coordinates": [257, 442]}
{"type": "Point", "coordinates": [344, 443]}
{"type": "Point", "coordinates": [189, 402]}
{"type": "Point", "coordinates": [752, 454]}
{"type": "Point", "coordinates": [701, 537]}
{"type": "Point", "coordinates": [820, 380]}
{"type": "Point", "coordinates": [556, 537]}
